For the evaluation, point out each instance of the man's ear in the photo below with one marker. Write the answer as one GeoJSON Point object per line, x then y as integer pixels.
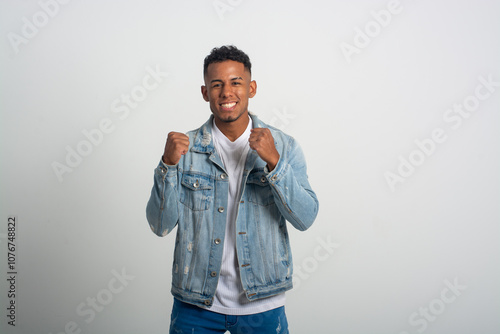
{"type": "Point", "coordinates": [253, 89]}
{"type": "Point", "coordinates": [204, 92]}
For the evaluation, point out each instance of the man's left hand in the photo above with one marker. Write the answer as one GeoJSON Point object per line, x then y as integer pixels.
{"type": "Point", "coordinates": [261, 140]}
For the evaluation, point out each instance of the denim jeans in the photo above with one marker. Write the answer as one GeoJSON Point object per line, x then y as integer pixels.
{"type": "Point", "coordinates": [188, 319]}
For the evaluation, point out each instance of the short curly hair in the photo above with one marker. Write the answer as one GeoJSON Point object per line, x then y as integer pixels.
{"type": "Point", "coordinates": [227, 52]}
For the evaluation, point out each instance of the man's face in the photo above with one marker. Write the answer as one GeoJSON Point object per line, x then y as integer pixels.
{"type": "Point", "coordinates": [228, 86]}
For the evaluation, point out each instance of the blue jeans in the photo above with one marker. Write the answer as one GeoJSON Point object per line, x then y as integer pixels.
{"type": "Point", "coordinates": [188, 319]}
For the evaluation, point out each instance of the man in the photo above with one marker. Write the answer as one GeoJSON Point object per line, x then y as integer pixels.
{"type": "Point", "coordinates": [230, 186]}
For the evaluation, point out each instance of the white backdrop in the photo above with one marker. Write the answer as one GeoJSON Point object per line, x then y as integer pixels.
{"type": "Point", "coordinates": [395, 104]}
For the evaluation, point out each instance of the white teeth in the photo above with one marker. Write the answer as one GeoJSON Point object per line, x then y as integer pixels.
{"type": "Point", "coordinates": [228, 105]}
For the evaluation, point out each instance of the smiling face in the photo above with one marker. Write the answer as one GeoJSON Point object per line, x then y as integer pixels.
{"type": "Point", "coordinates": [228, 86]}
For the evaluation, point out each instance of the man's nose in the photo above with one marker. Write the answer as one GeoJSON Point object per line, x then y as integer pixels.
{"type": "Point", "coordinates": [226, 91]}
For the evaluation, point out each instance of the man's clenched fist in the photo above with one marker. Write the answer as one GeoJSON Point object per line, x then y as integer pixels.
{"type": "Point", "coordinates": [261, 140]}
{"type": "Point", "coordinates": [177, 145]}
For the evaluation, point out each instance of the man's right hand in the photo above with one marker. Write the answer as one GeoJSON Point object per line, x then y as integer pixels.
{"type": "Point", "coordinates": [177, 145]}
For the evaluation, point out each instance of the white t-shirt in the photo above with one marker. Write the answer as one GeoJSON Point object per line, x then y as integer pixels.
{"type": "Point", "coordinates": [229, 296]}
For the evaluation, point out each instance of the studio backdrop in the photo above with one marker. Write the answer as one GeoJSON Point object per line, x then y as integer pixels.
{"type": "Point", "coordinates": [395, 104]}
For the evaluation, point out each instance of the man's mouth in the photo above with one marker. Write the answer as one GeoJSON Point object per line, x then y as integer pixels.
{"type": "Point", "coordinates": [228, 106]}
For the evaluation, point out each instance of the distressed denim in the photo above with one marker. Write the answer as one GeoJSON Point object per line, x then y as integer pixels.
{"type": "Point", "coordinates": [193, 195]}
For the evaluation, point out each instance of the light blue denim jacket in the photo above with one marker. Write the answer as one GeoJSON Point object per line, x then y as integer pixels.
{"type": "Point", "coordinates": [193, 195]}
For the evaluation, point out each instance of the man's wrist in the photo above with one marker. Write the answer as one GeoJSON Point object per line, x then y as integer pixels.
{"type": "Point", "coordinates": [165, 162]}
{"type": "Point", "coordinates": [272, 164]}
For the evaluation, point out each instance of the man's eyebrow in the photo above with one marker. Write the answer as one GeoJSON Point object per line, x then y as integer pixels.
{"type": "Point", "coordinates": [219, 80]}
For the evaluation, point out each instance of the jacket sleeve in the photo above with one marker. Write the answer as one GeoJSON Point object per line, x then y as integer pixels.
{"type": "Point", "coordinates": [293, 194]}
{"type": "Point", "coordinates": [162, 209]}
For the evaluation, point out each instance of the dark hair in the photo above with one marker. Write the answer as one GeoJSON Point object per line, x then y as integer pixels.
{"type": "Point", "coordinates": [227, 52]}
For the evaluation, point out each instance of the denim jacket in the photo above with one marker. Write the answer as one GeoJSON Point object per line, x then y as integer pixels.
{"type": "Point", "coordinates": [193, 195]}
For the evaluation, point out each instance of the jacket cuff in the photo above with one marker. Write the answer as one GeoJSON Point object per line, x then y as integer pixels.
{"type": "Point", "coordinates": [277, 173]}
{"type": "Point", "coordinates": [166, 170]}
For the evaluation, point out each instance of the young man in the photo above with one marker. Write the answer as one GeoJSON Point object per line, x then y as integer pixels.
{"type": "Point", "coordinates": [230, 186]}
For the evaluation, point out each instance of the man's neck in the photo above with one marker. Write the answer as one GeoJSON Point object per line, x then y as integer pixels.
{"type": "Point", "coordinates": [233, 130]}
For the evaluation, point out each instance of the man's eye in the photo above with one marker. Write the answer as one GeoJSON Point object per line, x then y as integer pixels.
{"type": "Point", "coordinates": [236, 83]}
{"type": "Point", "coordinates": [216, 86]}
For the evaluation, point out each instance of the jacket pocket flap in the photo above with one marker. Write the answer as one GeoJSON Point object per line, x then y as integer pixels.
{"type": "Point", "coordinates": [258, 178]}
{"type": "Point", "coordinates": [196, 182]}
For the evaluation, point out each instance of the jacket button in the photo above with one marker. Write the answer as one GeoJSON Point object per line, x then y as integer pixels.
{"type": "Point", "coordinates": [274, 178]}
{"type": "Point", "coordinates": [196, 184]}
{"type": "Point", "coordinates": [223, 176]}
{"type": "Point", "coordinates": [263, 179]}
{"type": "Point", "coordinates": [217, 241]}
{"type": "Point", "coordinates": [221, 209]}
{"type": "Point", "coordinates": [207, 302]}
{"type": "Point", "coordinates": [163, 170]}
{"type": "Point", "coordinates": [213, 274]}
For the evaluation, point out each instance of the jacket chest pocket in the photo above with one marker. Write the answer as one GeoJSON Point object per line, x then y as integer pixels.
{"type": "Point", "coordinates": [258, 188]}
{"type": "Point", "coordinates": [196, 191]}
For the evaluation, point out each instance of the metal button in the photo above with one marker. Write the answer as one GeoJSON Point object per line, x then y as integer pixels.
{"type": "Point", "coordinates": [207, 302]}
{"type": "Point", "coordinates": [223, 176]}
{"type": "Point", "coordinates": [217, 241]}
{"type": "Point", "coordinates": [163, 170]}
{"type": "Point", "coordinates": [196, 184]}
{"type": "Point", "coordinates": [263, 179]}
{"type": "Point", "coordinates": [213, 274]}
{"type": "Point", "coordinates": [221, 209]}
{"type": "Point", "coordinates": [274, 178]}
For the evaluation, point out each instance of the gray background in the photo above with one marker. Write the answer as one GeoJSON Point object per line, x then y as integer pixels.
{"type": "Point", "coordinates": [391, 250]}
